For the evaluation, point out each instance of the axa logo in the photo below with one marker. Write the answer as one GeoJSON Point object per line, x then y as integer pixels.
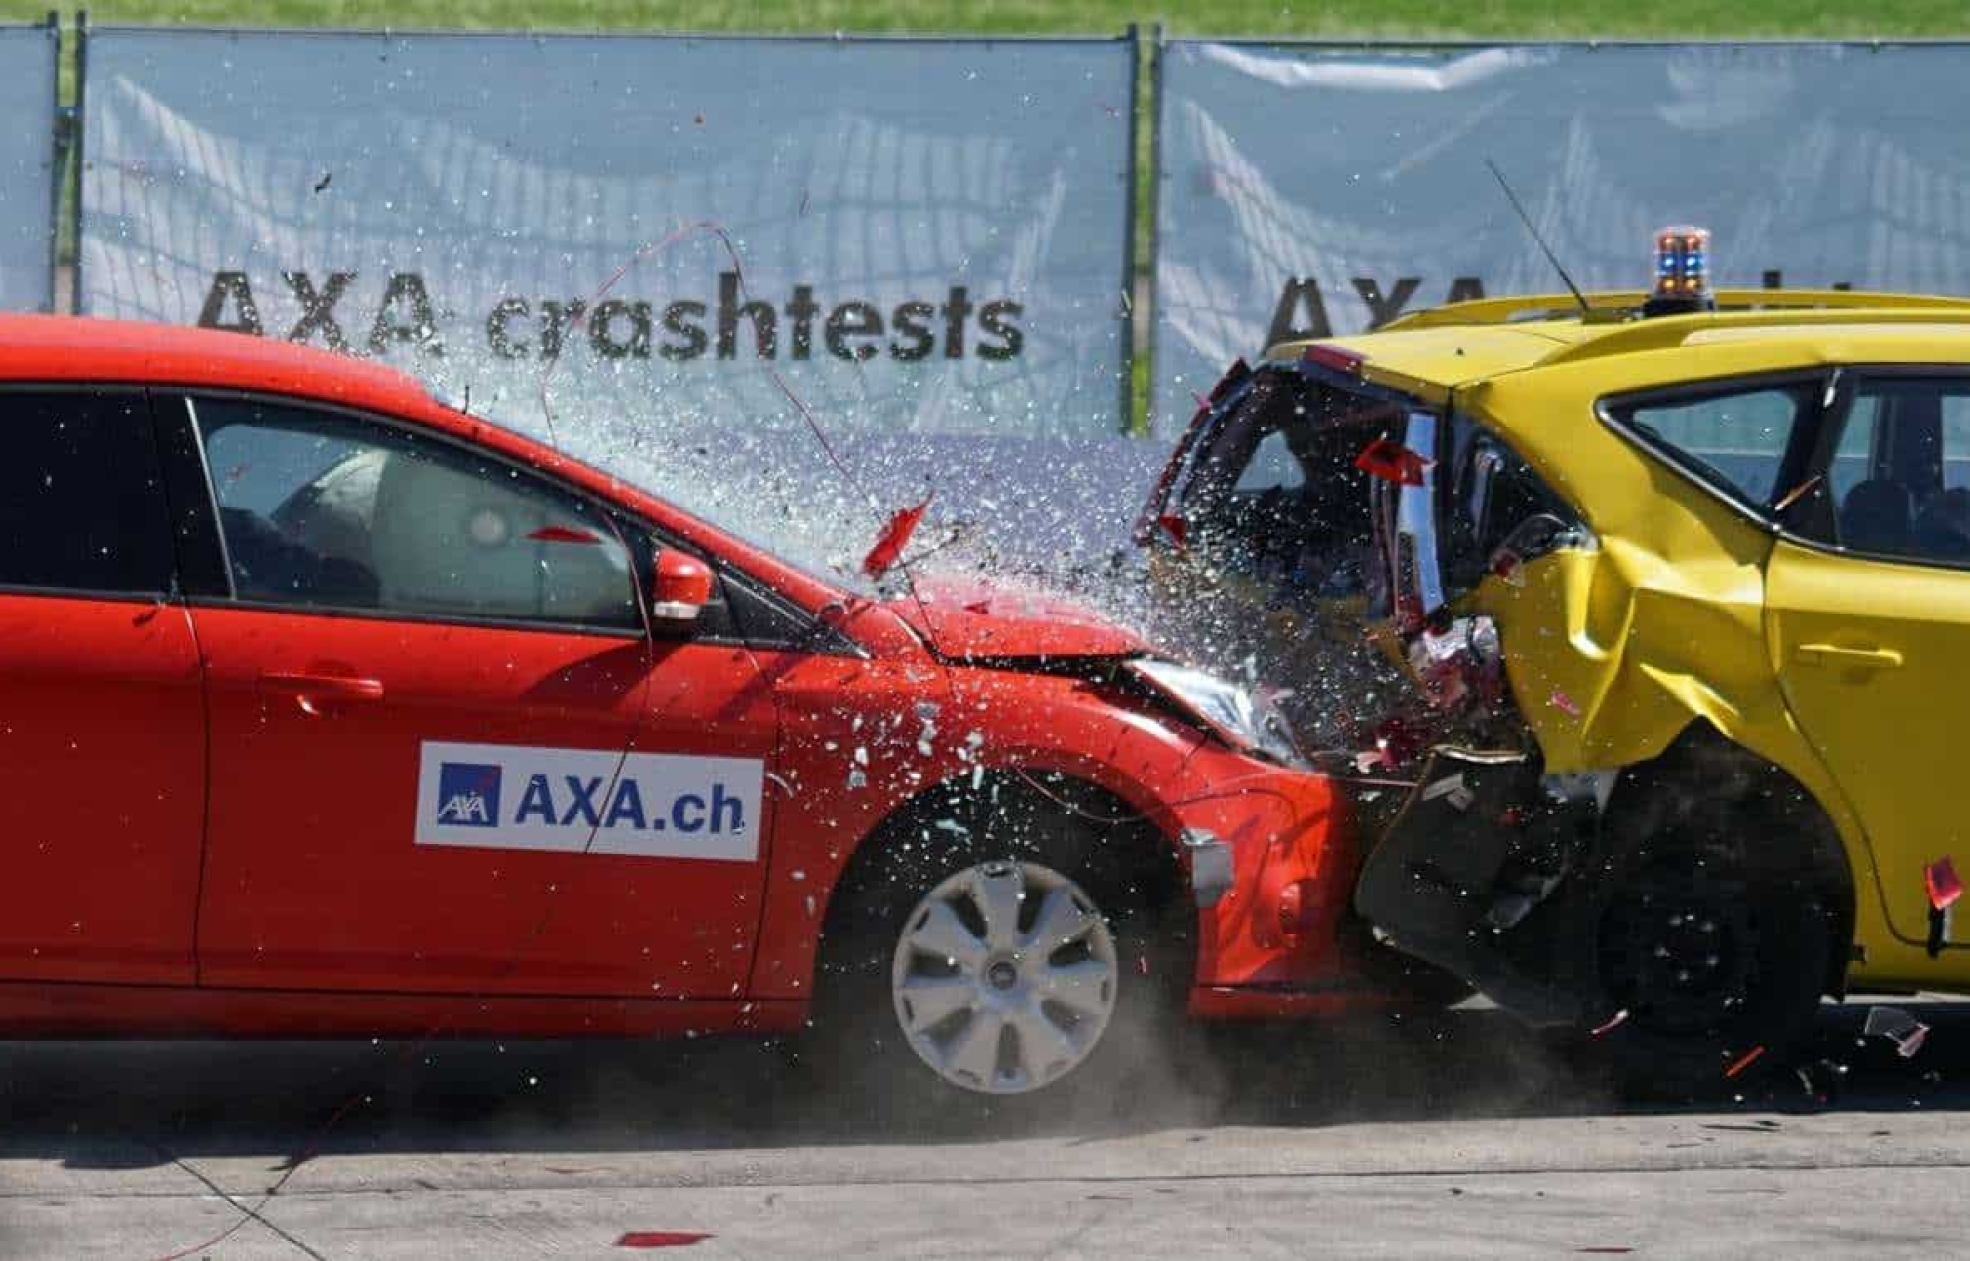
{"type": "Point", "coordinates": [468, 794]}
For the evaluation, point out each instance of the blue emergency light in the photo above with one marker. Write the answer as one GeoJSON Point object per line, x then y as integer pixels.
{"type": "Point", "coordinates": [1682, 272]}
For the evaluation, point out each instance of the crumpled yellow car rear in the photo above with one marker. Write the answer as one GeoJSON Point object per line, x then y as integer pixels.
{"type": "Point", "coordinates": [1682, 602]}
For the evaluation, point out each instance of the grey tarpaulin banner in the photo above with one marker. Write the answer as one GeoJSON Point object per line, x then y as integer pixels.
{"type": "Point", "coordinates": [27, 168]}
{"type": "Point", "coordinates": [1307, 189]}
{"type": "Point", "coordinates": [930, 239]}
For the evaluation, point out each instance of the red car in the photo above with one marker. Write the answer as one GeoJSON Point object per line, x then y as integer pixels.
{"type": "Point", "coordinates": [329, 709]}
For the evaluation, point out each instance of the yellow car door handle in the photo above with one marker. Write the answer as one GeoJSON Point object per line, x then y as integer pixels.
{"type": "Point", "coordinates": [1864, 658]}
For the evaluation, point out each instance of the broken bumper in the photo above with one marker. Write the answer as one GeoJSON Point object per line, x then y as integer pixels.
{"type": "Point", "coordinates": [1462, 878]}
{"type": "Point", "coordinates": [1272, 871]}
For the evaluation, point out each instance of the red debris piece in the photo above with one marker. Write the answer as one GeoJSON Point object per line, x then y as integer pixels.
{"type": "Point", "coordinates": [1392, 462]}
{"type": "Point", "coordinates": [1397, 743]}
{"type": "Point", "coordinates": [563, 534]}
{"type": "Point", "coordinates": [894, 538]}
{"type": "Point", "coordinates": [661, 1239]}
{"type": "Point", "coordinates": [1177, 528]}
{"type": "Point", "coordinates": [1508, 567]}
{"type": "Point", "coordinates": [1940, 879]}
{"type": "Point", "coordinates": [1565, 704]}
{"type": "Point", "coordinates": [979, 606]}
{"type": "Point", "coordinates": [1745, 1061]}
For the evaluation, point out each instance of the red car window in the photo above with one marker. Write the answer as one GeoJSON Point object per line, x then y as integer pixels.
{"type": "Point", "coordinates": [332, 511]}
{"type": "Point", "coordinates": [81, 500]}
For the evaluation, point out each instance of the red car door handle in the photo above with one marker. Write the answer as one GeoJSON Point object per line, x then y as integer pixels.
{"type": "Point", "coordinates": [310, 691]}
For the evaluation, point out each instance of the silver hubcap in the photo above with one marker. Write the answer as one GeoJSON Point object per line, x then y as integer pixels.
{"type": "Point", "coordinates": [1004, 978]}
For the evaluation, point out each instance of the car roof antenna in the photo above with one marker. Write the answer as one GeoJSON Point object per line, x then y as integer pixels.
{"type": "Point", "coordinates": [1539, 240]}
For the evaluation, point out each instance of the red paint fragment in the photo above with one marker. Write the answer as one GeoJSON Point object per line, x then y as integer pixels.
{"type": "Point", "coordinates": [1745, 1061]}
{"type": "Point", "coordinates": [1940, 879]}
{"type": "Point", "coordinates": [562, 534]}
{"type": "Point", "coordinates": [1398, 743]}
{"type": "Point", "coordinates": [1177, 528]}
{"type": "Point", "coordinates": [661, 1239]}
{"type": "Point", "coordinates": [1565, 704]}
{"type": "Point", "coordinates": [1392, 462]}
{"type": "Point", "coordinates": [894, 538]}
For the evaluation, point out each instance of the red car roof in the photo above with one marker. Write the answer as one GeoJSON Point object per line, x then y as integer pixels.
{"type": "Point", "coordinates": [71, 348]}
{"type": "Point", "coordinates": [80, 348]}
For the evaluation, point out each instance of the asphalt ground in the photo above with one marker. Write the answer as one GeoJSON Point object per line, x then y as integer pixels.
{"type": "Point", "coordinates": [1454, 1135]}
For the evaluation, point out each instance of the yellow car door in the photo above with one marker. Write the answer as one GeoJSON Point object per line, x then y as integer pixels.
{"type": "Point", "coordinates": [1868, 618]}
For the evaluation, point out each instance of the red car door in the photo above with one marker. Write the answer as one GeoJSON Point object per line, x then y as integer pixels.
{"type": "Point", "coordinates": [102, 722]}
{"type": "Point", "coordinates": [445, 755]}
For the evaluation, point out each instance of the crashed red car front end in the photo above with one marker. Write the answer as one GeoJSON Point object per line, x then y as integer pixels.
{"type": "Point", "coordinates": [1041, 694]}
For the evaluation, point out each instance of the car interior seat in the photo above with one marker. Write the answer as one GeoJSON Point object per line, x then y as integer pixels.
{"type": "Point", "coordinates": [1876, 517]}
{"type": "Point", "coordinates": [446, 540]}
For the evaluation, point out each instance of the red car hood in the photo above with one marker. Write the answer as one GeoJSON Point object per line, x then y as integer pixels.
{"type": "Point", "coordinates": [972, 622]}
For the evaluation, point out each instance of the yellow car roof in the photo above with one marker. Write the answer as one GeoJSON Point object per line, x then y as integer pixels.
{"type": "Point", "coordinates": [1430, 353]}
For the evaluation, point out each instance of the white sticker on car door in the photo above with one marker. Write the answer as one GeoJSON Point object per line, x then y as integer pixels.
{"type": "Point", "coordinates": [660, 805]}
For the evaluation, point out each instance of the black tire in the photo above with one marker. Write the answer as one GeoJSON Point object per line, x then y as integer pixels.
{"type": "Point", "coordinates": [856, 1050]}
{"type": "Point", "coordinates": [1717, 951]}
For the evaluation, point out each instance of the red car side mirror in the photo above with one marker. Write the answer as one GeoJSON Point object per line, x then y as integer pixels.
{"type": "Point", "coordinates": [680, 587]}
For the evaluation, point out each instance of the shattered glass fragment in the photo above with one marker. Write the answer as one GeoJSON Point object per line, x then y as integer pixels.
{"type": "Point", "coordinates": [1898, 1027]}
{"type": "Point", "coordinates": [1610, 1024]}
{"type": "Point", "coordinates": [1445, 787]}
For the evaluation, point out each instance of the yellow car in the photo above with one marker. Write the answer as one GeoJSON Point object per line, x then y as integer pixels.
{"type": "Point", "coordinates": [1638, 620]}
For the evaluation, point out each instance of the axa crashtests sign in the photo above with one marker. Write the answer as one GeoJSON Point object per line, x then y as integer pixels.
{"type": "Point", "coordinates": [925, 237]}
{"type": "Point", "coordinates": [733, 325]}
{"type": "Point", "coordinates": [1309, 191]}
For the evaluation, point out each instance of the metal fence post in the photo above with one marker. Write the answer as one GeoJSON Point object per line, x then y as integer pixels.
{"type": "Point", "coordinates": [1157, 176]}
{"type": "Point", "coordinates": [78, 153]}
{"type": "Point", "coordinates": [1133, 210]}
{"type": "Point", "coordinates": [57, 165]}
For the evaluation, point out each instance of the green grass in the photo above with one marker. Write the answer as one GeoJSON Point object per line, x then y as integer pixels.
{"type": "Point", "coordinates": [1475, 19]}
